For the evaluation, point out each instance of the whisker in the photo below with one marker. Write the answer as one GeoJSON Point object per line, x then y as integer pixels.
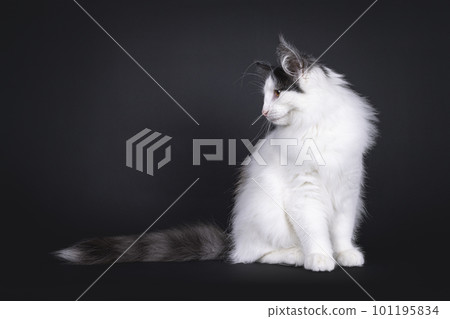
{"type": "Point", "coordinates": [241, 78]}
{"type": "Point", "coordinates": [246, 70]}
{"type": "Point", "coordinates": [261, 130]}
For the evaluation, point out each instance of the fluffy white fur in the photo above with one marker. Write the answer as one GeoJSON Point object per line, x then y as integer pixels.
{"type": "Point", "coordinates": [306, 214]}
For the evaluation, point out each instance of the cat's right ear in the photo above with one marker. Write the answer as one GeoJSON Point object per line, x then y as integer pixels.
{"type": "Point", "coordinates": [290, 59]}
{"type": "Point", "coordinates": [263, 68]}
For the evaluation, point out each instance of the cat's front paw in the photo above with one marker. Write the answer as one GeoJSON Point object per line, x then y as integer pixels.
{"type": "Point", "coordinates": [319, 262]}
{"type": "Point", "coordinates": [350, 258]}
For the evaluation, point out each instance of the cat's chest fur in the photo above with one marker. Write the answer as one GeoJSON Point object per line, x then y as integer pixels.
{"type": "Point", "coordinates": [324, 154]}
{"type": "Point", "coordinates": [296, 149]}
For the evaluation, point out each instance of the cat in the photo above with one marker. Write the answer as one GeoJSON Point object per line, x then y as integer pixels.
{"type": "Point", "coordinates": [284, 213]}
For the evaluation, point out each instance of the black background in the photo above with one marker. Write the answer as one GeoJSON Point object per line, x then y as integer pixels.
{"type": "Point", "coordinates": [71, 98]}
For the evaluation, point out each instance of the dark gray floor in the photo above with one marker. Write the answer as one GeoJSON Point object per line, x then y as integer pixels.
{"type": "Point", "coordinates": [213, 280]}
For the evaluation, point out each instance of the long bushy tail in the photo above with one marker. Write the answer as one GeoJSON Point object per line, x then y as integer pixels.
{"type": "Point", "coordinates": [196, 242]}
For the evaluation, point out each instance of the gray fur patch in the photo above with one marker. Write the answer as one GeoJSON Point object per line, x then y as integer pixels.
{"type": "Point", "coordinates": [194, 242]}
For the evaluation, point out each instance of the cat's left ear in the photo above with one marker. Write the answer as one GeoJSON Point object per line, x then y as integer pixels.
{"type": "Point", "coordinates": [290, 59]}
{"type": "Point", "coordinates": [263, 68]}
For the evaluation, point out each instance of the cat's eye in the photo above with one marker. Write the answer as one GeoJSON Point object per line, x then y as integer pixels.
{"type": "Point", "coordinates": [276, 92]}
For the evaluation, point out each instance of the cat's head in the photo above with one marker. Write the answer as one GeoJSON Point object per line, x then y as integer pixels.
{"type": "Point", "coordinates": [286, 83]}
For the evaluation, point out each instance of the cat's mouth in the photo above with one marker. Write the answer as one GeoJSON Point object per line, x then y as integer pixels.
{"type": "Point", "coordinates": [277, 118]}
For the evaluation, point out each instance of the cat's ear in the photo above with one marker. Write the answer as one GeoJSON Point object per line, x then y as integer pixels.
{"type": "Point", "coordinates": [290, 59]}
{"type": "Point", "coordinates": [263, 68]}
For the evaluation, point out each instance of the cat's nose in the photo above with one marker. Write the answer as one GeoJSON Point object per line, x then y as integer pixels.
{"type": "Point", "coordinates": [265, 113]}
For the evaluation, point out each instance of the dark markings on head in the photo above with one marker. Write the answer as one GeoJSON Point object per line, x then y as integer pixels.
{"type": "Point", "coordinates": [284, 81]}
{"type": "Point", "coordinates": [325, 70]}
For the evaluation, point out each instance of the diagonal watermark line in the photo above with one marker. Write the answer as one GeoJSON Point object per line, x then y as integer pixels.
{"type": "Point", "coordinates": [137, 239]}
{"type": "Point", "coordinates": [136, 62]}
{"type": "Point", "coordinates": [257, 119]}
{"type": "Point", "coordinates": [323, 53]}
{"type": "Point", "coordinates": [354, 280]}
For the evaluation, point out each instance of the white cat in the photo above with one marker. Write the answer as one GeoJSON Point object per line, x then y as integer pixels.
{"type": "Point", "coordinates": [305, 214]}
{"type": "Point", "coordinates": [299, 213]}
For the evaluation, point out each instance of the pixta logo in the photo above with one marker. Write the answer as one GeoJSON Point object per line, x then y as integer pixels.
{"type": "Point", "coordinates": [141, 149]}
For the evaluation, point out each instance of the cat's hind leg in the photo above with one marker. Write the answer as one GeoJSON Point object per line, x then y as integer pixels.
{"type": "Point", "coordinates": [286, 256]}
{"type": "Point", "coordinates": [259, 224]}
